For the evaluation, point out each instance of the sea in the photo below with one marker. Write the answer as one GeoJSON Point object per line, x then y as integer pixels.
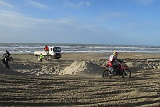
{"type": "Point", "coordinates": [30, 48]}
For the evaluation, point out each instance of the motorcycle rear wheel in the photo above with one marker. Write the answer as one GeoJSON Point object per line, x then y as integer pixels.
{"type": "Point", "coordinates": [106, 74]}
{"type": "Point", "coordinates": [126, 73]}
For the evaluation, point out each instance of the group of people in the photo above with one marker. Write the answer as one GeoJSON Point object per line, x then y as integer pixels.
{"type": "Point", "coordinates": [46, 49]}
{"type": "Point", "coordinates": [113, 61]}
{"type": "Point", "coordinates": [6, 56]}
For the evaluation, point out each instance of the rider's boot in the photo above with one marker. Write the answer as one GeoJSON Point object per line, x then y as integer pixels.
{"type": "Point", "coordinates": [116, 69]}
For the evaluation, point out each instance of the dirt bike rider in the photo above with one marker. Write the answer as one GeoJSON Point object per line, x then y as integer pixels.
{"type": "Point", "coordinates": [113, 62]}
{"type": "Point", "coordinates": [7, 54]}
{"type": "Point", "coordinates": [6, 60]}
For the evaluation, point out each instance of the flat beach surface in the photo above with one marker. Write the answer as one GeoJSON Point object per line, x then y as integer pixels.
{"type": "Point", "coordinates": [21, 85]}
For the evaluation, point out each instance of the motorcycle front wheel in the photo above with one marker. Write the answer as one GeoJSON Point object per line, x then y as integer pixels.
{"type": "Point", "coordinates": [6, 65]}
{"type": "Point", "coordinates": [106, 74]}
{"type": "Point", "coordinates": [126, 73]}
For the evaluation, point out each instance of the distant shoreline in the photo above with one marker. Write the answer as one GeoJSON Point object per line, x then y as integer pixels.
{"type": "Point", "coordinates": [32, 53]}
{"type": "Point", "coordinates": [29, 48]}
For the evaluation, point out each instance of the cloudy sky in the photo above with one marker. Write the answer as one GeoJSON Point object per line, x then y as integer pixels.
{"type": "Point", "coordinates": [123, 22]}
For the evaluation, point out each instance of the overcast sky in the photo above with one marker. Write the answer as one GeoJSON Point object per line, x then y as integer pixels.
{"type": "Point", "coordinates": [123, 22]}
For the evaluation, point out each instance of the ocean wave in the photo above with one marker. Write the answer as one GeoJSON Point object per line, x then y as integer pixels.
{"type": "Point", "coordinates": [29, 48]}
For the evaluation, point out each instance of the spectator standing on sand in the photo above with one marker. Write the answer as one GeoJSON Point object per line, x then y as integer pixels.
{"type": "Point", "coordinates": [46, 49]}
{"type": "Point", "coordinates": [41, 57]}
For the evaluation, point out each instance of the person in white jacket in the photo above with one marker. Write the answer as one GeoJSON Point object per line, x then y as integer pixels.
{"type": "Point", "coordinates": [114, 62]}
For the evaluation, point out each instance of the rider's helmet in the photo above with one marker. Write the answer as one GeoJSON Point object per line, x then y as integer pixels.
{"type": "Point", "coordinates": [115, 53]}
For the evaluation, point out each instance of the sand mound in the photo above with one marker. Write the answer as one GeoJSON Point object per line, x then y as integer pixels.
{"type": "Point", "coordinates": [82, 67]}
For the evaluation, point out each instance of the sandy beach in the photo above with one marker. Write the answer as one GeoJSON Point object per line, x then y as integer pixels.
{"type": "Point", "coordinates": [76, 80]}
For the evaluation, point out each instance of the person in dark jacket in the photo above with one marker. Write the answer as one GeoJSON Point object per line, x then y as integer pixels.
{"type": "Point", "coordinates": [7, 53]}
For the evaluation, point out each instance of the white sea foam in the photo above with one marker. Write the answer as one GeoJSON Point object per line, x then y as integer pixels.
{"type": "Point", "coordinates": [29, 48]}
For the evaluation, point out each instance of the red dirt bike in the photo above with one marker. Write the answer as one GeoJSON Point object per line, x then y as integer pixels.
{"type": "Point", "coordinates": [122, 71]}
